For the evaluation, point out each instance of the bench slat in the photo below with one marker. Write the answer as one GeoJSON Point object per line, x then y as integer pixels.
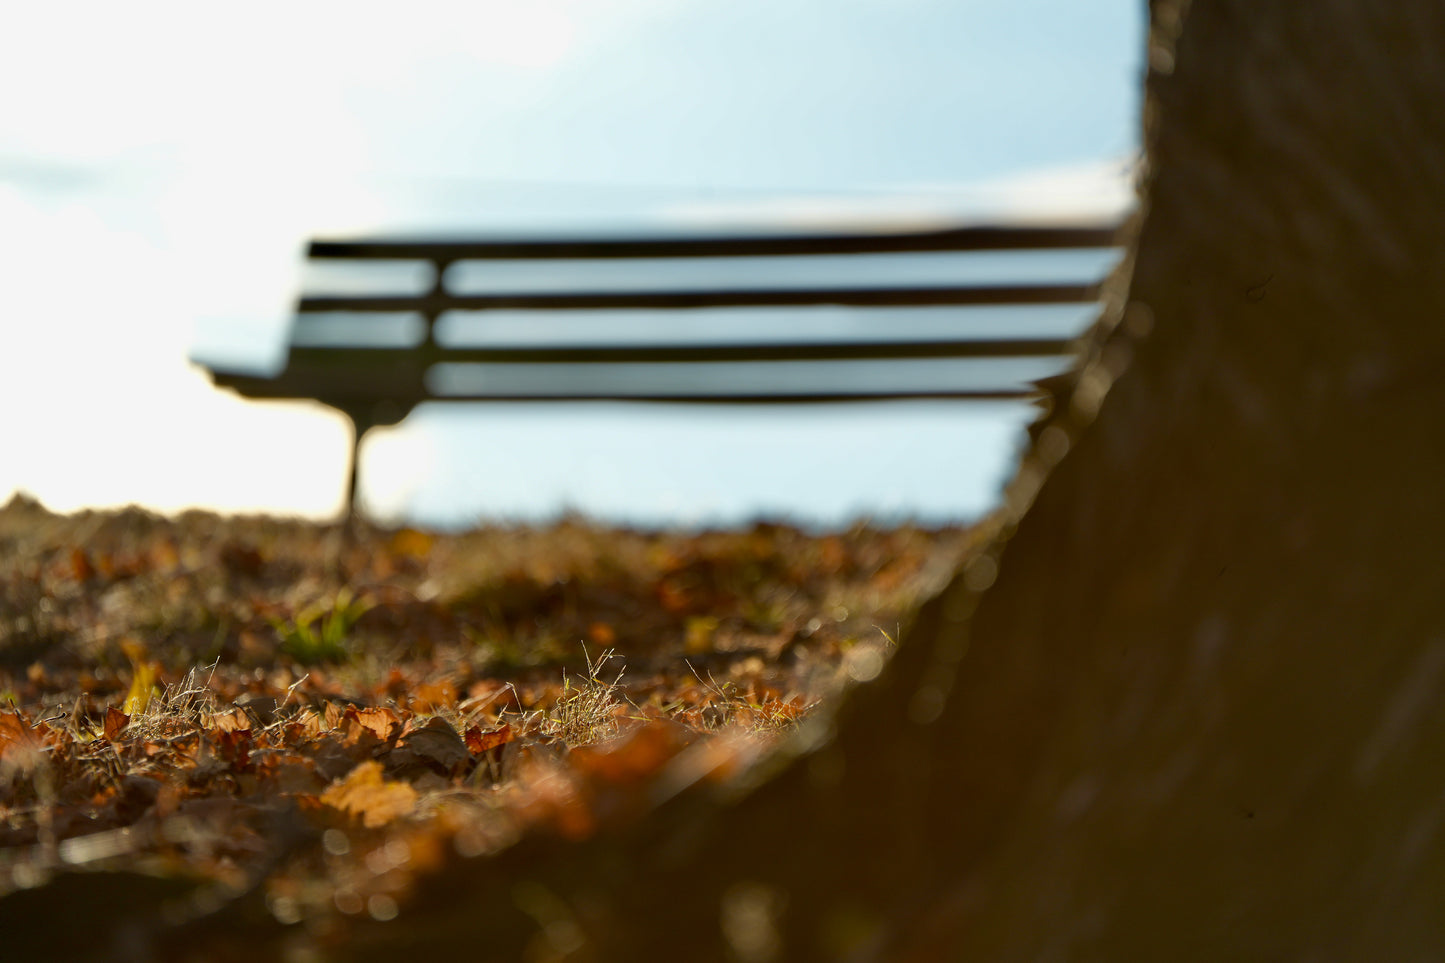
{"type": "Point", "coordinates": [981, 238]}
{"type": "Point", "coordinates": [334, 385]}
{"type": "Point", "coordinates": [363, 376]}
{"type": "Point", "coordinates": [754, 397]}
{"type": "Point", "coordinates": [340, 392]}
{"type": "Point", "coordinates": [364, 358]}
{"type": "Point", "coordinates": [1030, 294]}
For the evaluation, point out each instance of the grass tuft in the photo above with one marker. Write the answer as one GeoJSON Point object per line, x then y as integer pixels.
{"type": "Point", "coordinates": [179, 709]}
{"type": "Point", "coordinates": [320, 635]}
{"type": "Point", "coordinates": [586, 713]}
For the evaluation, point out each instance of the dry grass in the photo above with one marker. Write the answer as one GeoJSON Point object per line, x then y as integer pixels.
{"type": "Point", "coordinates": [587, 711]}
{"type": "Point", "coordinates": [181, 708]}
{"type": "Point", "coordinates": [729, 708]}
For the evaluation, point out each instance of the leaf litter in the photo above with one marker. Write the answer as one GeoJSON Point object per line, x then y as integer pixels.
{"type": "Point", "coordinates": [324, 715]}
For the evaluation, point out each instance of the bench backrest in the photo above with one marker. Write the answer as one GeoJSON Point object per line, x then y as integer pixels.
{"type": "Point", "coordinates": [362, 351]}
{"type": "Point", "coordinates": [376, 352]}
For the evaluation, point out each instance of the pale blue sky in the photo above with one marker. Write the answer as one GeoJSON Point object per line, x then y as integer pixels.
{"type": "Point", "coordinates": [169, 160]}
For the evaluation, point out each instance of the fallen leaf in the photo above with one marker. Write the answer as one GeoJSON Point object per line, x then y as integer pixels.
{"type": "Point", "coordinates": [365, 795]}
{"type": "Point", "coordinates": [115, 723]}
{"type": "Point", "coordinates": [479, 742]}
{"type": "Point", "coordinates": [429, 696]}
{"type": "Point", "coordinates": [231, 720]}
{"type": "Point", "coordinates": [19, 744]}
{"type": "Point", "coordinates": [435, 744]}
{"type": "Point", "coordinates": [356, 724]}
{"type": "Point", "coordinates": [234, 746]}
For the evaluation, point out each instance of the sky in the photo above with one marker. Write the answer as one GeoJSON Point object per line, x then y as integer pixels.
{"type": "Point", "coordinates": [162, 165]}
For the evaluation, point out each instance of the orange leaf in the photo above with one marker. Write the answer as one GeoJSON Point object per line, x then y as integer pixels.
{"type": "Point", "coordinates": [231, 720]}
{"type": "Point", "coordinates": [234, 745]}
{"type": "Point", "coordinates": [384, 722]}
{"type": "Point", "coordinates": [429, 696]}
{"type": "Point", "coordinates": [479, 742]}
{"type": "Point", "coordinates": [358, 725]}
{"type": "Point", "coordinates": [19, 744]}
{"type": "Point", "coordinates": [115, 723]}
{"type": "Point", "coordinates": [366, 795]}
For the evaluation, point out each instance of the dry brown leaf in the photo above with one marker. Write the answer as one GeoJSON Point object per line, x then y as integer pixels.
{"type": "Point", "coordinates": [437, 743]}
{"type": "Point", "coordinates": [315, 735]}
{"type": "Point", "coordinates": [20, 745]}
{"type": "Point", "coordinates": [115, 723]}
{"type": "Point", "coordinates": [479, 742]}
{"type": "Point", "coordinates": [231, 720]}
{"type": "Point", "coordinates": [234, 746]}
{"type": "Point", "coordinates": [429, 696]}
{"type": "Point", "coordinates": [365, 795]}
{"type": "Point", "coordinates": [358, 724]}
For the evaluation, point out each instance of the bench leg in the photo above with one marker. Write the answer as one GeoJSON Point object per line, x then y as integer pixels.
{"type": "Point", "coordinates": [360, 425]}
{"type": "Point", "coordinates": [352, 471]}
{"type": "Point", "coordinates": [347, 532]}
{"type": "Point", "coordinates": [363, 419]}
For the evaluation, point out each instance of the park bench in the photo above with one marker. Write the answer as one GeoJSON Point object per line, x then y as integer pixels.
{"type": "Point", "coordinates": [387, 331]}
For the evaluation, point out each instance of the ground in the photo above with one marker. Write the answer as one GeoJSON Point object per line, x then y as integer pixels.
{"type": "Point", "coordinates": [315, 716]}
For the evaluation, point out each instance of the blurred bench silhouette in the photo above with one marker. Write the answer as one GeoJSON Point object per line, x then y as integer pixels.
{"type": "Point", "coordinates": [389, 330]}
